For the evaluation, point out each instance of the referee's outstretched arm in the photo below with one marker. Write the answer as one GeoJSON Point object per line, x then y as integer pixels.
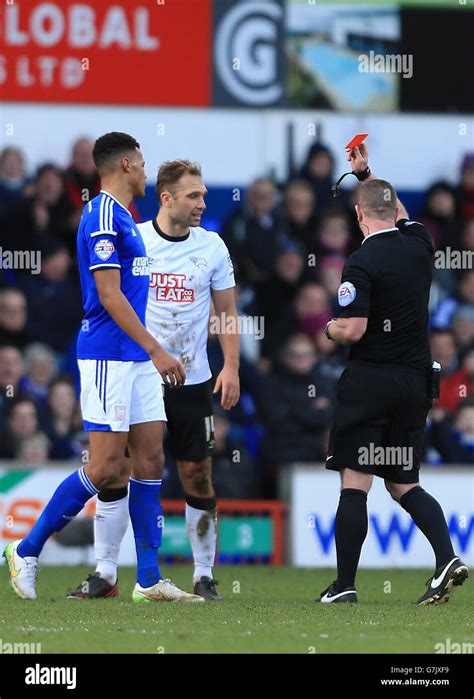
{"type": "Point", "coordinates": [349, 330]}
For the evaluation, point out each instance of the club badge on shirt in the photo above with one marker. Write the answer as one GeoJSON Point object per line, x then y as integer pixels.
{"type": "Point", "coordinates": [346, 293]}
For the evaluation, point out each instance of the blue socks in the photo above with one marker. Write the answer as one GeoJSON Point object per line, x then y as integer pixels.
{"type": "Point", "coordinates": [146, 514]}
{"type": "Point", "coordinates": [68, 499]}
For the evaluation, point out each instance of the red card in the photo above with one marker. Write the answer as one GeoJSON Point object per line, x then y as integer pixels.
{"type": "Point", "coordinates": [357, 140]}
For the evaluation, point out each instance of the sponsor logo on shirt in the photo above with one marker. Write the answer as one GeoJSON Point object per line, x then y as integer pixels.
{"type": "Point", "coordinates": [141, 267]}
{"type": "Point", "coordinates": [346, 293]}
{"type": "Point", "coordinates": [104, 249]}
{"type": "Point", "coordinates": [170, 287]}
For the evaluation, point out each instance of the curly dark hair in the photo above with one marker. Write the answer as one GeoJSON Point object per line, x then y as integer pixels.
{"type": "Point", "coordinates": [110, 146]}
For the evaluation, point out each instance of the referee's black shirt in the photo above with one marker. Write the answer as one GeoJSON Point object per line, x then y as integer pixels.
{"type": "Point", "coordinates": [387, 280]}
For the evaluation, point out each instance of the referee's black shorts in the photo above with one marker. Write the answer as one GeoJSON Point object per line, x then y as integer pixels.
{"type": "Point", "coordinates": [380, 405]}
{"type": "Point", "coordinates": [190, 421]}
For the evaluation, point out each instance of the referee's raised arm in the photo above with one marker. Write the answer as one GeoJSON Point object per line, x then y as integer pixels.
{"type": "Point", "coordinates": [359, 159]}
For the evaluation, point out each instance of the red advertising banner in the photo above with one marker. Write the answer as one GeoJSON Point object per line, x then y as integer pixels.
{"type": "Point", "coordinates": [106, 51]}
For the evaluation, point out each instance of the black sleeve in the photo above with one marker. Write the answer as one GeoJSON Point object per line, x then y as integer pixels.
{"type": "Point", "coordinates": [354, 292]}
{"type": "Point", "coordinates": [415, 228]}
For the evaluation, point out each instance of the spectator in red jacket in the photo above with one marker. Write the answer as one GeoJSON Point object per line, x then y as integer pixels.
{"type": "Point", "coordinates": [458, 386]}
{"type": "Point", "coordinates": [81, 179]}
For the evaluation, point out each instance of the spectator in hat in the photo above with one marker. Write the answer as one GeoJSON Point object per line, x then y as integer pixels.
{"type": "Point", "coordinates": [318, 170]}
{"type": "Point", "coordinates": [439, 215]}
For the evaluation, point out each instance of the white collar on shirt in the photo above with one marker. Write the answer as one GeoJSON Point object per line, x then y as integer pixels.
{"type": "Point", "coordinates": [104, 191]}
{"type": "Point", "coordinates": [384, 230]}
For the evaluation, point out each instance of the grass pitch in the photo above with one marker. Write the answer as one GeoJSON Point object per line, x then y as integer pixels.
{"type": "Point", "coordinates": [266, 610]}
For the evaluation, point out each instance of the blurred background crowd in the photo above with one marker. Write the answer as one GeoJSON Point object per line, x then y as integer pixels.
{"type": "Point", "coordinates": [289, 242]}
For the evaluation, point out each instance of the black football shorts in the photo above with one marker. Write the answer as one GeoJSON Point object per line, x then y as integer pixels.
{"type": "Point", "coordinates": [190, 421]}
{"type": "Point", "coordinates": [380, 420]}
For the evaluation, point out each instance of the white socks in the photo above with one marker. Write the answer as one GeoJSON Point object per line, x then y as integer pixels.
{"type": "Point", "coordinates": [201, 526]}
{"type": "Point", "coordinates": [110, 525]}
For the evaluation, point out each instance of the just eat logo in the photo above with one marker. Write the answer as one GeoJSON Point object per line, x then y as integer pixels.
{"type": "Point", "coordinates": [170, 287]}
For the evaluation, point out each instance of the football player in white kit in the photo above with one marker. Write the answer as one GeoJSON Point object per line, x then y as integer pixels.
{"type": "Point", "coordinates": [190, 266]}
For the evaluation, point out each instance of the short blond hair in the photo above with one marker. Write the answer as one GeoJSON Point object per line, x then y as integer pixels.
{"type": "Point", "coordinates": [378, 199]}
{"type": "Point", "coordinates": [171, 172]}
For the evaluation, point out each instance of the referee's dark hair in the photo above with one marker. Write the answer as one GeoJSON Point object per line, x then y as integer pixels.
{"type": "Point", "coordinates": [378, 199]}
{"type": "Point", "coordinates": [111, 146]}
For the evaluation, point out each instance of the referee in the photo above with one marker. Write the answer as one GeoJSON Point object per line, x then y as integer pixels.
{"type": "Point", "coordinates": [386, 391]}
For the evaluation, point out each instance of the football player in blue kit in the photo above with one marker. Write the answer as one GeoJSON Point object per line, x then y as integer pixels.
{"type": "Point", "coordinates": [120, 364]}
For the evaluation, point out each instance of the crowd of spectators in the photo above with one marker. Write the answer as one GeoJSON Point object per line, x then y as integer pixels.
{"type": "Point", "coordinates": [289, 243]}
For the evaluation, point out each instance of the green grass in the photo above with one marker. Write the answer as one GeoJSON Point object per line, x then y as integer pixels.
{"type": "Point", "coordinates": [273, 613]}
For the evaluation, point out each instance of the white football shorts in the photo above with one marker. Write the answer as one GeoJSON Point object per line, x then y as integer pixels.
{"type": "Point", "coordinates": [115, 395]}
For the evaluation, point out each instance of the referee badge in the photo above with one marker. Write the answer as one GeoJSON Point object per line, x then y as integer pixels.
{"type": "Point", "coordinates": [346, 293]}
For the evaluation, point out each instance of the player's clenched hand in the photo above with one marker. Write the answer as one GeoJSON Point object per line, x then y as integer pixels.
{"type": "Point", "coordinates": [358, 157]}
{"type": "Point", "coordinates": [228, 381]}
{"type": "Point", "coordinates": [170, 368]}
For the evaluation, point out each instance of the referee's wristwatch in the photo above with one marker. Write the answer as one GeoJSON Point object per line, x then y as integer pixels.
{"type": "Point", "coordinates": [326, 329]}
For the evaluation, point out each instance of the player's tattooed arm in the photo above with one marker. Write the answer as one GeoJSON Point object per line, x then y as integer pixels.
{"type": "Point", "coordinates": [229, 338]}
{"type": "Point", "coordinates": [116, 304]}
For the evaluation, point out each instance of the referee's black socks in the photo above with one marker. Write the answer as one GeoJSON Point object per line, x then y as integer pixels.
{"type": "Point", "coordinates": [351, 530]}
{"type": "Point", "coordinates": [428, 516]}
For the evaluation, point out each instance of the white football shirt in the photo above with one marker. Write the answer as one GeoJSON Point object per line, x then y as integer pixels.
{"type": "Point", "coordinates": [183, 272]}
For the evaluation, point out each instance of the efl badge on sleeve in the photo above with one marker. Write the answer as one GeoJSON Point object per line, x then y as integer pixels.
{"type": "Point", "coordinates": [104, 249]}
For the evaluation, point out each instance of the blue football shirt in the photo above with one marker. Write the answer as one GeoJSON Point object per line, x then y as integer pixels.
{"type": "Point", "coordinates": [108, 238]}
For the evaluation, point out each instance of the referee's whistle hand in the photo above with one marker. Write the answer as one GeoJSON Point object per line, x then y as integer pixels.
{"type": "Point", "coordinates": [170, 369]}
